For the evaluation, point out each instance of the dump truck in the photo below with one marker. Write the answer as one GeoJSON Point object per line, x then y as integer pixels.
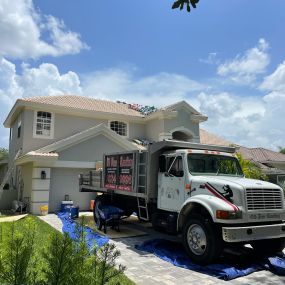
{"type": "Point", "coordinates": [196, 191]}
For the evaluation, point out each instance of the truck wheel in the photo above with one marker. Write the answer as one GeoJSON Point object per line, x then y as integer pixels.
{"type": "Point", "coordinates": [96, 215]}
{"type": "Point", "coordinates": [201, 239]}
{"type": "Point", "coordinates": [268, 245]}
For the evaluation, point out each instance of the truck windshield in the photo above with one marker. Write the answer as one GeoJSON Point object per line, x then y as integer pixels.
{"type": "Point", "coordinates": [210, 164]}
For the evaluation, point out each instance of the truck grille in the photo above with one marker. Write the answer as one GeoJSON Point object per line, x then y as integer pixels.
{"type": "Point", "coordinates": [263, 199]}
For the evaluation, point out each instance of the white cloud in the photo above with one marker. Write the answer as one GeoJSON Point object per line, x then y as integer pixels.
{"type": "Point", "coordinates": [248, 121]}
{"type": "Point", "coordinates": [47, 80]}
{"type": "Point", "coordinates": [9, 88]}
{"type": "Point", "coordinates": [22, 32]}
{"type": "Point", "coordinates": [243, 69]}
{"type": "Point", "coordinates": [44, 80]}
{"type": "Point", "coordinates": [159, 89]}
{"type": "Point", "coordinates": [211, 59]}
{"type": "Point", "coordinates": [276, 80]}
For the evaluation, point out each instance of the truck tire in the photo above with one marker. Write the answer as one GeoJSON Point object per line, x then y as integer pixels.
{"type": "Point", "coordinates": [201, 239]}
{"type": "Point", "coordinates": [268, 246]}
{"type": "Point", "coordinates": [97, 203]}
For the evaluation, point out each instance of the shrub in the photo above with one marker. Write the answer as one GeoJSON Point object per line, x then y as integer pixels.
{"type": "Point", "coordinates": [62, 261]}
{"type": "Point", "coordinates": [16, 256]}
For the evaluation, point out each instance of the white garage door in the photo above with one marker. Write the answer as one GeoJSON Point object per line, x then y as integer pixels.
{"type": "Point", "coordinates": [64, 181]}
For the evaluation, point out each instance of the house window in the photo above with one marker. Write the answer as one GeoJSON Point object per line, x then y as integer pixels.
{"type": "Point", "coordinates": [19, 128]}
{"type": "Point", "coordinates": [43, 124]}
{"type": "Point", "coordinates": [120, 128]}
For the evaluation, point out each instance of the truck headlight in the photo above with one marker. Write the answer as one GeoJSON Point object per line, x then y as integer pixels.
{"type": "Point", "coordinates": [228, 215]}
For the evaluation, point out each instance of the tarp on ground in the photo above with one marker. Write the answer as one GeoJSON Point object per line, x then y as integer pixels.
{"type": "Point", "coordinates": [230, 266]}
{"type": "Point", "coordinates": [71, 228]}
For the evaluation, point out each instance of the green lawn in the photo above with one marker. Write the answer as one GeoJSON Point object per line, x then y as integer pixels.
{"type": "Point", "coordinates": [43, 231]}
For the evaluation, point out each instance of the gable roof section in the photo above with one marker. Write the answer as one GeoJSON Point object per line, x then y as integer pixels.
{"type": "Point", "coordinates": [85, 135]}
{"type": "Point", "coordinates": [180, 104]}
{"type": "Point", "coordinates": [195, 115]}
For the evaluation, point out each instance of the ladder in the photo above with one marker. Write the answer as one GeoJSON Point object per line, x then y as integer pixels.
{"type": "Point", "coordinates": [9, 172]}
{"type": "Point", "coordinates": [143, 209]}
{"type": "Point", "coordinates": [142, 178]}
{"type": "Point", "coordinates": [142, 186]}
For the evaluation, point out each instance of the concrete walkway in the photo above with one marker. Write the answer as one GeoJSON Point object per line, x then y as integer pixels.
{"type": "Point", "coordinates": [147, 269]}
{"type": "Point", "coordinates": [12, 218]}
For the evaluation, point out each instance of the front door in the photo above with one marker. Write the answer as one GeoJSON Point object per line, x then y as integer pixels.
{"type": "Point", "coordinates": [172, 185]}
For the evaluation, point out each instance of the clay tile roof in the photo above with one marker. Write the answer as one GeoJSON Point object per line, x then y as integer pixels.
{"type": "Point", "coordinates": [261, 154]}
{"type": "Point", "coordinates": [84, 103]}
{"type": "Point", "coordinates": [209, 138]}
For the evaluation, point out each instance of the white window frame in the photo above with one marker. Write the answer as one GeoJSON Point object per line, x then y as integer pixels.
{"type": "Point", "coordinates": [126, 123]}
{"type": "Point", "coordinates": [35, 135]}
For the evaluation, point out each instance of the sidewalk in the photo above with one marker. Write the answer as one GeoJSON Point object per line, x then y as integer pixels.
{"type": "Point", "coordinates": [12, 218]}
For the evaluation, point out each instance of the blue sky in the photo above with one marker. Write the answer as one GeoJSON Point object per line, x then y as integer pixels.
{"type": "Point", "coordinates": [226, 58]}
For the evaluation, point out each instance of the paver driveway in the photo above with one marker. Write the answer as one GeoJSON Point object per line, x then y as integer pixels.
{"type": "Point", "coordinates": [147, 269]}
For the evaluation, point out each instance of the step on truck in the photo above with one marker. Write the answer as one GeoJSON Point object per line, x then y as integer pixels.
{"type": "Point", "coordinates": [196, 190]}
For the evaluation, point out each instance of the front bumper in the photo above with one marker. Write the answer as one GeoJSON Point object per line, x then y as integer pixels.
{"type": "Point", "coordinates": [243, 234]}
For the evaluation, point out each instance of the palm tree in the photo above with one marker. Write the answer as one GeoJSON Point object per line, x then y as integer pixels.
{"type": "Point", "coordinates": [282, 149]}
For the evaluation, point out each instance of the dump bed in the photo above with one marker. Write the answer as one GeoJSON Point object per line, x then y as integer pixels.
{"type": "Point", "coordinates": [123, 173]}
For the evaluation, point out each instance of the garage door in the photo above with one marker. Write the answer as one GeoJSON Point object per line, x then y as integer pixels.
{"type": "Point", "coordinates": [64, 181]}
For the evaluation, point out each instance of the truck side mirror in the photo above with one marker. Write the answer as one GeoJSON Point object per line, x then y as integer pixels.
{"type": "Point", "coordinates": [162, 163]}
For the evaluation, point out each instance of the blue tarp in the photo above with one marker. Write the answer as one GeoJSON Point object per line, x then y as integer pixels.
{"type": "Point", "coordinates": [70, 227]}
{"type": "Point", "coordinates": [229, 267]}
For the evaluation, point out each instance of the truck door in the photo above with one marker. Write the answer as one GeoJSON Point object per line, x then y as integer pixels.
{"type": "Point", "coordinates": [171, 185]}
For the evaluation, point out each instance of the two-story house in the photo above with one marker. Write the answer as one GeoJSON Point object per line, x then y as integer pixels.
{"type": "Point", "coordinates": [55, 138]}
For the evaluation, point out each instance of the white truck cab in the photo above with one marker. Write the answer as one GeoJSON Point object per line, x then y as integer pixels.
{"type": "Point", "coordinates": [236, 208]}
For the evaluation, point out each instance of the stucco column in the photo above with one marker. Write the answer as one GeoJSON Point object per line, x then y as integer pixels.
{"type": "Point", "coordinates": [40, 189]}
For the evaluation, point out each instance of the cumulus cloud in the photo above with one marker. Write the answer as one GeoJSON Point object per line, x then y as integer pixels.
{"type": "Point", "coordinates": [248, 121]}
{"type": "Point", "coordinates": [44, 80]}
{"type": "Point", "coordinates": [159, 89]}
{"type": "Point", "coordinates": [9, 88]}
{"type": "Point", "coordinates": [47, 80]}
{"type": "Point", "coordinates": [243, 69]}
{"type": "Point", "coordinates": [276, 80]}
{"type": "Point", "coordinates": [26, 33]}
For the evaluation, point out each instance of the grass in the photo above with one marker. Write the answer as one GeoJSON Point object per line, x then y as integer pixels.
{"type": "Point", "coordinates": [43, 231]}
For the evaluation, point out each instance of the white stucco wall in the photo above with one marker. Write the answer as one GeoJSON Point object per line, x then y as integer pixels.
{"type": "Point", "coordinates": [64, 181]}
{"type": "Point", "coordinates": [91, 150]}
